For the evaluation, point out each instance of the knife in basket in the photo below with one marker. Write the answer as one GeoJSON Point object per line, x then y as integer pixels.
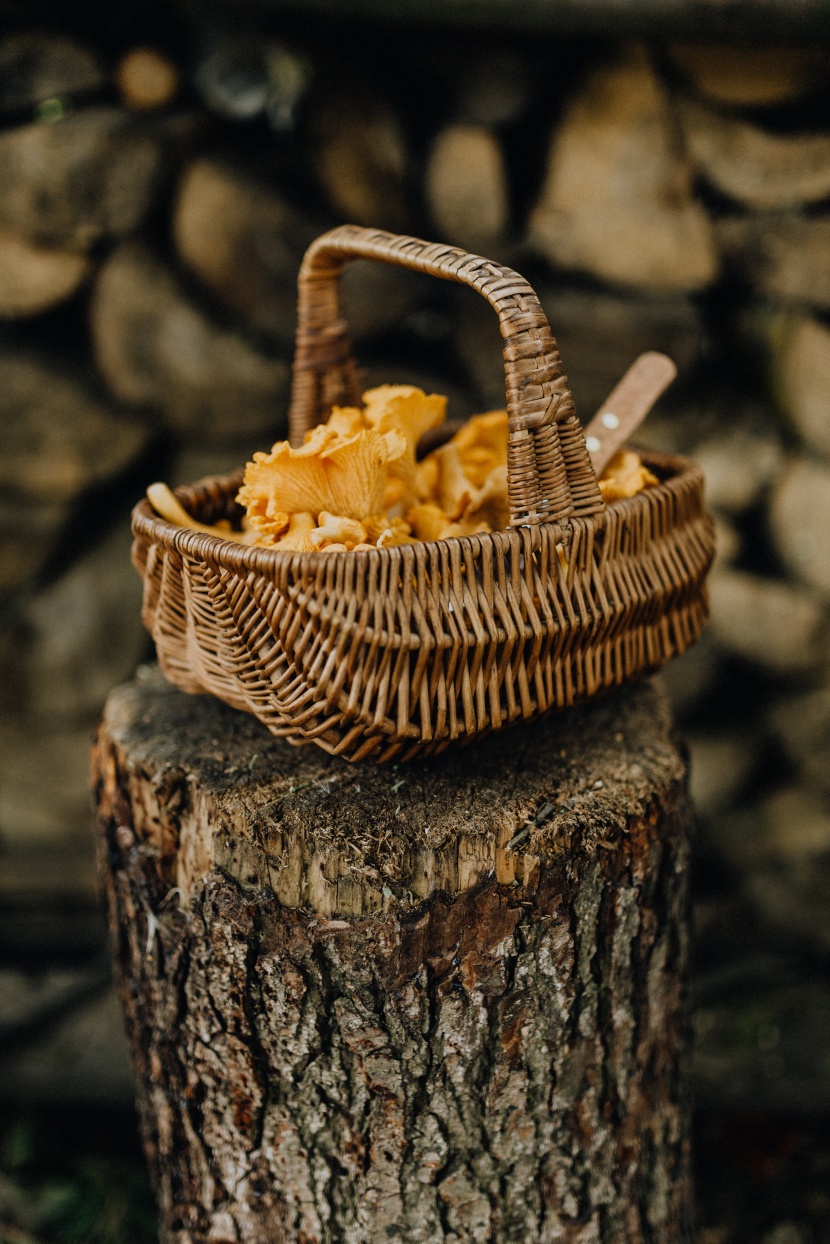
{"type": "Point", "coordinates": [626, 407]}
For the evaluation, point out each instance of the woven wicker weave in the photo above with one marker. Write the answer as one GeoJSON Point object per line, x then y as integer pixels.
{"type": "Point", "coordinates": [399, 651]}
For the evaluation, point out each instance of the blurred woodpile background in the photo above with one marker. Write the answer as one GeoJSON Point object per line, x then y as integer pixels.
{"type": "Point", "coordinates": [155, 202]}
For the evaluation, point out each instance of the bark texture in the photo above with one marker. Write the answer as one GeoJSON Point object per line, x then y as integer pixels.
{"type": "Point", "coordinates": [437, 1002]}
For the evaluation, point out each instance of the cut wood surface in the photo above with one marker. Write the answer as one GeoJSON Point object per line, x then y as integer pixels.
{"type": "Point", "coordinates": [797, 348]}
{"type": "Point", "coordinates": [244, 242]}
{"type": "Point", "coordinates": [155, 346]}
{"type": "Point", "coordinates": [90, 176]}
{"type": "Point", "coordinates": [785, 255]}
{"type": "Point", "coordinates": [617, 200]}
{"type": "Point", "coordinates": [770, 622]}
{"type": "Point", "coordinates": [750, 76]}
{"type": "Point", "coordinates": [361, 155]}
{"type": "Point", "coordinates": [466, 187]}
{"type": "Point", "coordinates": [753, 166]}
{"type": "Point", "coordinates": [60, 439]}
{"type": "Point", "coordinates": [440, 1001]}
{"type": "Point", "coordinates": [34, 278]}
{"type": "Point", "coordinates": [146, 79]}
{"type": "Point", "coordinates": [800, 520]}
{"type": "Point", "coordinates": [35, 66]}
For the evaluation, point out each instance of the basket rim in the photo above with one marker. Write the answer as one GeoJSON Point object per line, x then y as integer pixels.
{"type": "Point", "coordinates": [232, 555]}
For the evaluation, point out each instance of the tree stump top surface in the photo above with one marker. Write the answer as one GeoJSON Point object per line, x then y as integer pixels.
{"type": "Point", "coordinates": [363, 837]}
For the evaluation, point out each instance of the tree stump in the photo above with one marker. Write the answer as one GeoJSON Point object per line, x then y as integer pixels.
{"type": "Point", "coordinates": [429, 1002]}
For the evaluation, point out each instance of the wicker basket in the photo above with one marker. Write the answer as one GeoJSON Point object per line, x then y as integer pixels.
{"type": "Point", "coordinates": [397, 652]}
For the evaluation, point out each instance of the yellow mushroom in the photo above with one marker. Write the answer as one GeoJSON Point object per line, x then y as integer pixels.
{"type": "Point", "coordinates": [335, 529]}
{"type": "Point", "coordinates": [377, 524]}
{"type": "Point", "coordinates": [453, 490]}
{"type": "Point", "coordinates": [267, 520]}
{"type": "Point", "coordinates": [625, 476]}
{"type": "Point", "coordinates": [358, 473]}
{"type": "Point", "coordinates": [428, 520]}
{"type": "Point", "coordinates": [426, 476]}
{"type": "Point", "coordinates": [489, 504]}
{"type": "Point", "coordinates": [393, 535]}
{"type": "Point", "coordinates": [343, 423]}
{"type": "Point", "coordinates": [345, 477]}
{"type": "Point", "coordinates": [298, 538]}
{"type": "Point", "coordinates": [487, 433]}
{"type": "Point", "coordinates": [166, 505]}
{"type": "Point", "coordinates": [410, 412]}
{"type": "Point", "coordinates": [470, 470]}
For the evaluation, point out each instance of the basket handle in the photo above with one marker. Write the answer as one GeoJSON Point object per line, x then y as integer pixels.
{"type": "Point", "coordinates": [550, 476]}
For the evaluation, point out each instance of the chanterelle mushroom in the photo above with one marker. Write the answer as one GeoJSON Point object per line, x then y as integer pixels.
{"type": "Point", "coordinates": [335, 529]}
{"type": "Point", "coordinates": [298, 538]}
{"type": "Point", "coordinates": [411, 412]}
{"type": "Point", "coordinates": [359, 475]}
{"type": "Point", "coordinates": [343, 476]}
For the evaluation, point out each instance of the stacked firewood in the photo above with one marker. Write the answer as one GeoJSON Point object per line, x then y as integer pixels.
{"type": "Point", "coordinates": [154, 208]}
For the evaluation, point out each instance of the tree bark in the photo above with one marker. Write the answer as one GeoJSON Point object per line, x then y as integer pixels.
{"type": "Point", "coordinates": [429, 1002]}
